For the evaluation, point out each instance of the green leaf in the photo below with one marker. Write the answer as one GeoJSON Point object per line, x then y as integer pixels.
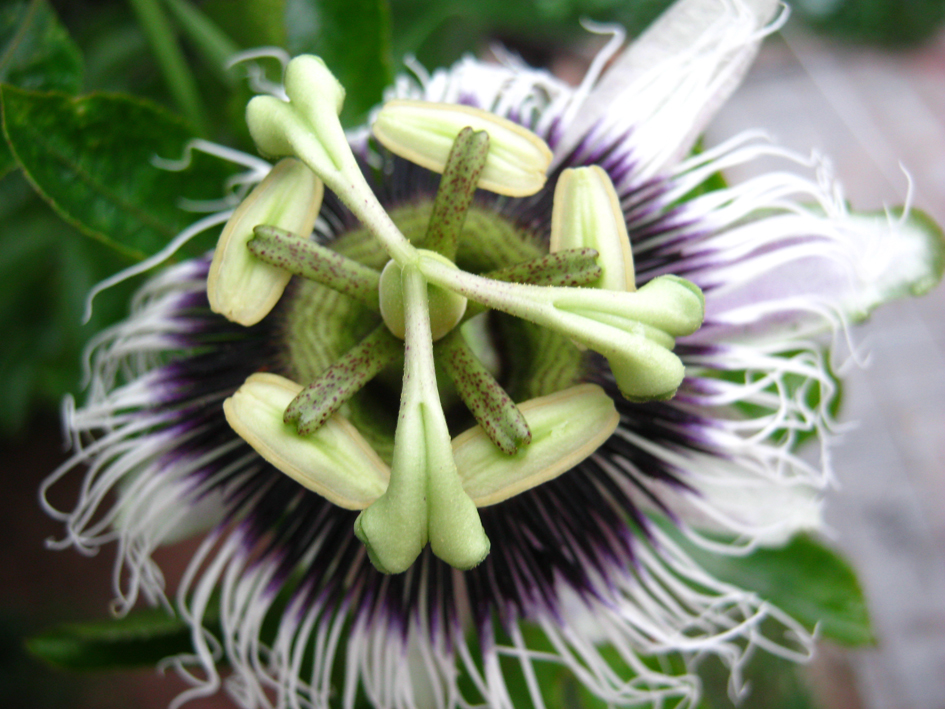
{"type": "Point", "coordinates": [439, 32]}
{"type": "Point", "coordinates": [90, 158]}
{"type": "Point", "coordinates": [46, 270]}
{"type": "Point", "coordinates": [805, 579]}
{"type": "Point", "coordinates": [892, 23]}
{"type": "Point", "coordinates": [251, 23]}
{"type": "Point", "coordinates": [354, 39]}
{"type": "Point", "coordinates": [35, 53]}
{"type": "Point", "coordinates": [138, 640]}
{"type": "Point", "coordinates": [7, 161]}
{"type": "Point", "coordinates": [35, 49]}
{"type": "Point", "coordinates": [772, 683]}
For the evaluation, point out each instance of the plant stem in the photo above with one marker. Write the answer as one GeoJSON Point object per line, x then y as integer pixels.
{"type": "Point", "coordinates": [212, 42]}
{"type": "Point", "coordinates": [177, 75]}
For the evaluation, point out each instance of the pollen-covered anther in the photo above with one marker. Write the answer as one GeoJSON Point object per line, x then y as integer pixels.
{"type": "Point", "coordinates": [567, 427]}
{"type": "Point", "coordinates": [303, 257]}
{"type": "Point", "coordinates": [424, 132]}
{"type": "Point", "coordinates": [489, 403]}
{"type": "Point", "coordinates": [587, 214]}
{"type": "Point", "coordinates": [319, 401]}
{"type": "Point", "coordinates": [464, 165]}
{"type": "Point", "coordinates": [335, 462]}
{"type": "Point", "coordinates": [239, 286]}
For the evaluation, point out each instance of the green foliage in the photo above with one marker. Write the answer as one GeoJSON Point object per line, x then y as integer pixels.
{"type": "Point", "coordinates": [440, 31]}
{"type": "Point", "coordinates": [772, 683]}
{"type": "Point", "coordinates": [893, 23]}
{"type": "Point", "coordinates": [35, 53]}
{"type": "Point", "coordinates": [90, 158]}
{"type": "Point", "coordinates": [141, 639]}
{"type": "Point", "coordinates": [46, 270]}
{"type": "Point", "coordinates": [353, 37]}
{"type": "Point", "coordinates": [251, 23]}
{"type": "Point", "coordinates": [813, 584]}
{"type": "Point", "coordinates": [35, 49]}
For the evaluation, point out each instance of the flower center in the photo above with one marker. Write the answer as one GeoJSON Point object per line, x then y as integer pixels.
{"type": "Point", "coordinates": [319, 325]}
{"type": "Point", "coordinates": [430, 311]}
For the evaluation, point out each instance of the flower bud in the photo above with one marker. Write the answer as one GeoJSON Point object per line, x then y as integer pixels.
{"type": "Point", "coordinates": [567, 427]}
{"type": "Point", "coordinates": [423, 132]}
{"type": "Point", "coordinates": [587, 214]}
{"type": "Point", "coordinates": [239, 286]}
{"type": "Point", "coordinates": [334, 462]}
{"type": "Point", "coordinates": [636, 331]}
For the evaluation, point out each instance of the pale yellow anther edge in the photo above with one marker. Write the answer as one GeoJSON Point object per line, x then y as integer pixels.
{"type": "Point", "coordinates": [567, 427]}
{"type": "Point", "coordinates": [423, 132]}
{"type": "Point", "coordinates": [587, 213]}
{"type": "Point", "coordinates": [239, 286]}
{"type": "Point", "coordinates": [335, 462]}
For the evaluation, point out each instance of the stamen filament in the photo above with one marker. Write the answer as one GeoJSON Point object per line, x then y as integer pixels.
{"type": "Point", "coordinates": [570, 267]}
{"type": "Point", "coordinates": [303, 257]}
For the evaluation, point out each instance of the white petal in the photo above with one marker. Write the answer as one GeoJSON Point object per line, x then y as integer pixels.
{"type": "Point", "coordinates": [899, 257]}
{"type": "Point", "coordinates": [667, 86]}
{"type": "Point", "coordinates": [800, 273]}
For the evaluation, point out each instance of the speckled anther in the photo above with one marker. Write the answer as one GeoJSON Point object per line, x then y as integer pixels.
{"type": "Point", "coordinates": [315, 404]}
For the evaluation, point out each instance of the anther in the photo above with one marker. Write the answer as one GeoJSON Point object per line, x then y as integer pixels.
{"type": "Point", "coordinates": [315, 404]}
